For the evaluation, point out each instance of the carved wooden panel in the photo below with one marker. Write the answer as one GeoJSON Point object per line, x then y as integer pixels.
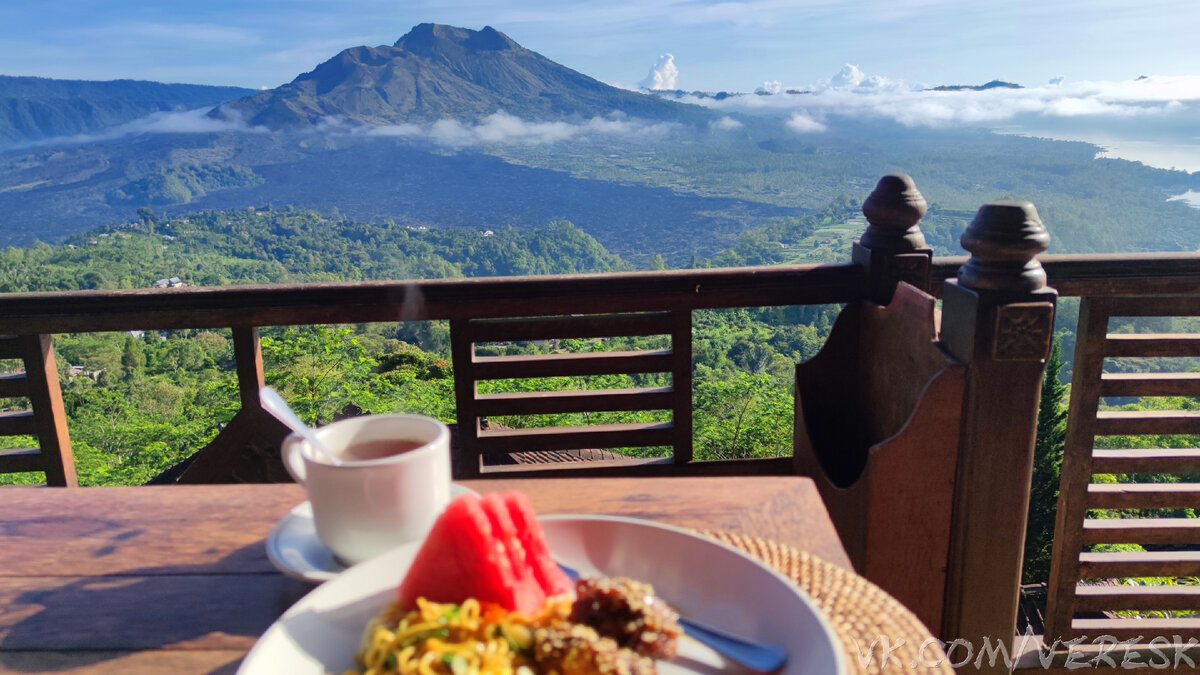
{"type": "Point", "coordinates": [1023, 331]}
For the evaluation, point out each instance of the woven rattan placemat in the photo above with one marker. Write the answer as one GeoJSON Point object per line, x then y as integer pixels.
{"type": "Point", "coordinates": [861, 614]}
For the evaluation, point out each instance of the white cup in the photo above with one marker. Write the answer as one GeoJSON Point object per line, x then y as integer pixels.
{"type": "Point", "coordinates": [364, 507]}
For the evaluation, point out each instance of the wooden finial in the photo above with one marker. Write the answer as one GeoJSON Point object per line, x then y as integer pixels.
{"type": "Point", "coordinates": [893, 210]}
{"type": "Point", "coordinates": [1003, 239]}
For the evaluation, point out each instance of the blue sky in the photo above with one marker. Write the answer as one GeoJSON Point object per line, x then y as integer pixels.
{"type": "Point", "coordinates": [717, 45]}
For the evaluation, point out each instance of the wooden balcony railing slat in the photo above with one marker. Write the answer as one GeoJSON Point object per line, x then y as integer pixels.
{"type": "Point", "coordinates": [655, 466]}
{"type": "Point", "coordinates": [1152, 344]}
{"type": "Point", "coordinates": [1150, 384]}
{"type": "Point", "coordinates": [1151, 305]}
{"type": "Point", "coordinates": [1120, 422]}
{"type": "Point", "coordinates": [17, 423]}
{"type": "Point", "coordinates": [571, 364]}
{"type": "Point", "coordinates": [681, 375]}
{"type": "Point", "coordinates": [1077, 471]}
{"type": "Point", "coordinates": [1143, 495]}
{"type": "Point", "coordinates": [1141, 531]}
{"type": "Point", "coordinates": [360, 302]}
{"type": "Point", "coordinates": [1143, 630]}
{"type": "Point", "coordinates": [20, 460]}
{"type": "Point", "coordinates": [1100, 274]}
{"type": "Point", "coordinates": [418, 300]}
{"type": "Point", "coordinates": [644, 434]}
{"type": "Point", "coordinates": [14, 385]}
{"type": "Point", "coordinates": [1113, 565]}
{"type": "Point", "coordinates": [550, 402]}
{"type": "Point", "coordinates": [1091, 598]}
{"type": "Point", "coordinates": [46, 417]}
{"type": "Point", "coordinates": [630, 465]}
{"type": "Point", "coordinates": [569, 327]}
{"type": "Point", "coordinates": [1151, 460]}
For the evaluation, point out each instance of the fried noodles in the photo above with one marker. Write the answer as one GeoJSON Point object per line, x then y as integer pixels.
{"type": "Point", "coordinates": [448, 639]}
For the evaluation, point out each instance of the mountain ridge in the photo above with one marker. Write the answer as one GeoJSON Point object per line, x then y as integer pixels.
{"type": "Point", "coordinates": [437, 71]}
{"type": "Point", "coordinates": [36, 109]}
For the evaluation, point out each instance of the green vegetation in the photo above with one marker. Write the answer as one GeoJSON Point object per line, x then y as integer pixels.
{"type": "Point", "coordinates": [255, 246]}
{"type": "Point", "coordinates": [1047, 462]}
{"type": "Point", "coordinates": [137, 404]}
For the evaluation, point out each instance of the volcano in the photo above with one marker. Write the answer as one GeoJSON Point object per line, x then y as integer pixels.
{"type": "Point", "coordinates": [436, 72]}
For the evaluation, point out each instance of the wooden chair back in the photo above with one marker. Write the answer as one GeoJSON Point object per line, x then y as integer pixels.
{"type": "Point", "coordinates": [1075, 533]}
{"type": "Point", "coordinates": [45, 417]}
{"type": "Point", "coordinates": [480, 446]}
{"type": "Point", "coordinates": [877, 425]}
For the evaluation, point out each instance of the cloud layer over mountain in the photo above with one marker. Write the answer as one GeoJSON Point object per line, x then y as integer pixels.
{"type": "Point", "coordinates": [853, 93]}
{"type": "Point", "coordinates": [1154, 119]}
{"type": "Point", "coordinates": [504, 128]}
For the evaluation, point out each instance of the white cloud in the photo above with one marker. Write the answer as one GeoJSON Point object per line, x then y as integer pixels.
{"type": "Point", "coordinates": [662, 75]}
{"type": "Point", "coordinates": [187, 122]}
{"type": "Point", "coordinates": [770, 87]}
{"type": "Point", "coordinates": [502, 127]}
{"type": "Point", "coordinates": [726, 124]}
{"type": "Point", "coordinates": [851, 78]}
{"type": "Point", "coordinates": [803, 124]}
{"type": "Point", "coordinates": [853, 93]}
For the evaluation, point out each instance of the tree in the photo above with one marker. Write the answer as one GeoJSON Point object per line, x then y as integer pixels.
{"type": "Point", "coordinates": [133, 358]}
{"type": "Point", "coordinates": [147, 217]}
{"type": "Point", "coordinates": [1047, 463]}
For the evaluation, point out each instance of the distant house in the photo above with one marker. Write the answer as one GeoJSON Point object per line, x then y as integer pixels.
{"type": "Point", "coordinates": [81, 371]}
{"type": "Point", "coordinates": [173, 282]}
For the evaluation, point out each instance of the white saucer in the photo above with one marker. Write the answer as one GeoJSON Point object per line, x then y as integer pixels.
{"type": "Point", "coordinates": [294, 549]}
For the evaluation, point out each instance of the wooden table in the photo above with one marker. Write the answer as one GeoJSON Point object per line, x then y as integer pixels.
{"type": "Point", "coordinates": [176, 578]}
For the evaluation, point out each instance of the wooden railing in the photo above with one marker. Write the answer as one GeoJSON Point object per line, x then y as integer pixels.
{"type": "Point", "coordinates": [996, 323]}
{"type": "Point", "coordinates": [1075, 532]}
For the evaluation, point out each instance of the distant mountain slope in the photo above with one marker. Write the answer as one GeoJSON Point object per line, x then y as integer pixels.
{"type": "Point", "coordinates": [64, 192]}
{"type": "Point", "coordinates": [438, 71]}
{"type": "Point", "coordinates": [994, 84]}
{"type": "Point", "coordinates": [38, 108]}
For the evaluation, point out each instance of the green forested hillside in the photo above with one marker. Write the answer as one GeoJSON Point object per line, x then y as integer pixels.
{"type": "Point", "coordinates": [286, 246]}
{"type": "Point", "coordinates": [138, 403]}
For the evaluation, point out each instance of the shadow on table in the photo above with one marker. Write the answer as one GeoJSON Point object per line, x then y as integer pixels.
{"type": "Point", "coordinates": [88, 620]}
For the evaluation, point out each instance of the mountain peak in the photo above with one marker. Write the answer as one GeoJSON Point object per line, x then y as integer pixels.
{"type": "Point", "coordinates": [428, 39]}
{"type": "Point", "coordinates": [437, 71]}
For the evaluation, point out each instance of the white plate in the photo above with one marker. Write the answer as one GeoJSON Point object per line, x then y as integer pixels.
{"type": "Point", "coordinates": [293, 547]}
{"type": "Point", "coordinates": [705, 580]}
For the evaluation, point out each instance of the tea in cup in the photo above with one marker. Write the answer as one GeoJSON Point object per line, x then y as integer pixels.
{"type": "Point", "coordinates": [393, 481]}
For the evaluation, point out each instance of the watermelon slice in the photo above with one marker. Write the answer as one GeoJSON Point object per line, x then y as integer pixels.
{"type": "Point", "coordinates": [490, 548]}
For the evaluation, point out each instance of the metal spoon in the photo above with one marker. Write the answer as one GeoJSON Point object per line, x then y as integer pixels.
{"type": "Point", "coordinates": [273, 403]}
{"type": "Point", "coordinates": [760, 656]}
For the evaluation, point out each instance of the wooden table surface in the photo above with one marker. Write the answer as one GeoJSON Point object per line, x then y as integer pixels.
{"type": "Point", "coordinates": [176, 578]}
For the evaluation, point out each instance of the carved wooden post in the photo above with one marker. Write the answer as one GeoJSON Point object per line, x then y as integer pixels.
{"type": "Point", "coordinates": [998, 318]}
{"type": "Point", "coordinates": [892, 249]}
